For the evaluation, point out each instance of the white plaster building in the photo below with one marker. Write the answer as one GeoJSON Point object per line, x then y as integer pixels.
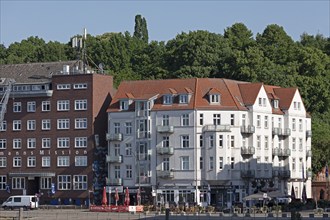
{"type": "Point", "coordinates": [209, 141]}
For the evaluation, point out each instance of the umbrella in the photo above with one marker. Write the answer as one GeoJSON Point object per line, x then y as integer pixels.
{"type": "Point", "coordinates": [138, 196]}
{"type": "Point", "coordinates": [116, 196]}
{"type": "Point", "coordinates": [126, 197]}
{"type": "Point", "coordinates": [256, 196]}
{"type": "Point", "coordinates": [104, 197]}
{"type": "Point", "coordinates": [304, 195]}
{"type": "Point", "coordinates": [293, 195]}
{"type": "Point", "coordinates": [208, 194]}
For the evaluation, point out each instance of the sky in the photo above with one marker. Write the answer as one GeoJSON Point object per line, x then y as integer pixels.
{"type": "Point", "coordinates": [61, 19]}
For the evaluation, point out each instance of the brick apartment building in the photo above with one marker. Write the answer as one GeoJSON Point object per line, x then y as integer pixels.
{"type": "Point", "coordinates": [52, 138]}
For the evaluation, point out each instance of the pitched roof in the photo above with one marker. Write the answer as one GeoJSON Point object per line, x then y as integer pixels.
{"type": "Point", "coordinates": [250, 92]}
{"type": "Point", "coordinates": [286, 96]}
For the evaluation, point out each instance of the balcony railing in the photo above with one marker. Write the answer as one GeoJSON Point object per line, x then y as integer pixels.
{"type": "Point", "coordinates": [217, 128]}
{"type": "Point", "coordinates": [284, 152]}
{"type": "Point", "coordinates": [284, 174]}
{"type": "Point", "coordinates": [248, 174]}
{"type": "Point", "coordinates": [250, 129]}
{"type": "Point", "coordinates": [114, 159]}
{"type": "Point", "coordinates": [165, 129]}
{"type": "Point", "coordinates": [276, 151]}
{"type": "Point", "coordinates": [276, 131]}
{"type": "Point", "coordinates": [248, 150]}
{"type": "Point", "coordinates": [114, 137]}
{"type": "Point", "coordinates": [285, 132]}
{"type": "Point", "coordinates": [114, 182]}
{"type": "Point", "coordinates": [165, 150]}
{"type": "Point", "coordinates": [165, 174]}
{"type": "Point", "coordinates": [309, 133]}
{"type": "Point", "coordinates": [142, 134]}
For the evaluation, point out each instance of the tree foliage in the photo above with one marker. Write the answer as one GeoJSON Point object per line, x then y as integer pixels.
{"type": "Point", "coordinates": [271, 57]}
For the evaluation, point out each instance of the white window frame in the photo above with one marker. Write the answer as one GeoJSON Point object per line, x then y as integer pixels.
{"type": "Point", "coordinates": [214, 98]}
{"type": "Point", "coordinates": [3, 161]}
{"type": "Point", "coordinates": [45, 161]}
{"type": "Point", "coordinates": [45, 106]}
{"type": "Point", "coordinates": [80, 142]}
{"type": "Point", "coordinates": [63, 142]}
{"type": "Point", "coordinates": [80, 161]}
{"type": "Point", "coordinates": [45, 143]}
{"type": "Point", "coordinates": [63, 86]}
{"type": "Point", "coordinates": [185, 141]}
{"type": "Point", "coordinates": [80, 182]}
{"type": "Point", "coordinates": [45, 182]}
{"type": "Point", "coordinates": [17, 143]}
{"type": "Point", "coordinates": [185, 120]}
{"type": "Point", "coordinates": [17, 161]}
{"type": "Point", "coordinates": [17, 107]}
{"type": "Point", "coordinates": [63, 105]}
{"type": "Point", "coordinates": [3, 143]}
{"type": "Point", "coordinates": [80, 86]}
{"type": "Point", "coordinates": [80, 123]}
{"type": "Point", "coordinates": [80, 105]}
{"type": "Point", "coordinates": [183, 99]}
{"type": "Point", "coordinates": [31, 143]}
{"type": "Point", "coordinates": [64, 182]}
{"type": "Point", "coordinates": [3, 126]}
{"type": "Point", "coordinates": [18, 183]}
{"type": "Point", "coordinates": [63, 123]}
{"type": "Point", "coordinates": [45, 124]}
{"type": "Point", "coordinates": [31, 106]}
{"type": "Point", "coordinates": [167, 99]}
{"type": "Point", "coordinates": [63, 161]}
{"type": "Point", "coordinates": [31, 161]}
{"type": "Point", "coordinates": [31, 125]}
{"type": "Point", "coordinates": [17, 125]}
{"type": "Point", "coordinates": [184, 162]}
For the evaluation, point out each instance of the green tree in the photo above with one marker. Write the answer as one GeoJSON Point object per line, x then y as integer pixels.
{"type": "Point", "coordinates": [239, 36]}
{"type": "Point", "coordinates": [140, 29]}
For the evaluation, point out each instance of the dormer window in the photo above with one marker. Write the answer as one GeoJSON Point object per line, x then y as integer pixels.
{"type": "Point", "coordinates": [167, 99]}
{"type": "Point", "coordinates": [214, 98]}
{"type": "Point", "coordinates": [124, 105]}
{"type": "Point", "coordinates": [183, 99]}
{"type": "Point", "coordinates": [275, 102]}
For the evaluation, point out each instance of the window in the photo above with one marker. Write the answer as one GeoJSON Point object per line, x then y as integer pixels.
{"type": "Point", "coordinates": [45, 161]}
{"type": "Point", "coordinates": [31, 125]}
{"type": "Point", "coordinates": [201, 163]}
{"type": "Point", "coordinates": [123, 105]}
{"type": "Point", "coordinates": [293, 124]}
{"type": "Point", "coordinates": [166, 120]}
{"type": "Point", "coordinates": [293, 144]}
{"type": "Point", "coordinates": [17, 162]}
{"type": "Point", "coordinates": [232, 162]}
{"type": "Point", "coordinates": [201, 141]}
{"type": "Point", "coordinates": [243, 120]}
{"type": "Point", "coordinates": [63, 161]}
{"type": "Point", "coordinates": [183, 99]}
{"type": "Point", "coordinates": [45, 124]}
{"type": "Point", "coordinates": [31, 143]}
{"type": "Point", "coordinates": [3, 182]}
{"type": "Point", "coordinates": [3, 126]}
{"type": "Point", "coordinates": [211, 163]}
{"type": "Point", "coordinates": [116, 127]}
{"type": "Point", "coordinates": [299, 107]}
{"type": "Point", "coordinates": [63, 182]}
{"type": "Point", "coordinates": [280, 122]}
{"type": "Point", "coordinates": [258, 142]}
{"type": "Point", "coordinates": [3, 143]}
{"type": "Point", "coordinates": [3, 162]}
{"type": "Point", "coordinates": [220, 163]}
{"type": "Point", "coordinates": [300, 125]}
{"type": "Point", "coordinates": [214, 98]}
{"type": "Point", "coordinates": [201, 119]}
{"type": "Point", "coordinates": [128, 149]}
{"type": "Point", "coordinates": [117, 172]}
{"type": "Point", "coordinates": [185, 120]}
{"type": "Point", "coordinates": [80, 161]}
{"type": "Point", "coordinates": [17, 125]}
{"type": "Point", "coordinates": [63, 105]}
{"type": "Point", "coordinates": [275, 103]}
{"type": "Point", "coordinates": [18, 183]}
{"type": "Point", "coordinates": [258, 121]}
{"type": "Point", "coordinates": [129, 171]}
{"type": "Point", "coordinates": [293, 163]}
{"type": "Point", "coordinates": [31, 106]}
{"type": "Point", "coordinates": [300, 144]}
{"type": "Point", "coordinates": [232, 141]}
{"type": "Point", "coordinates": [128, 128]}
{"type": "Point", "coordinates": [80, 86]}
{"type": "Point", "coordinates": [166, 164]}
{"type": "Point", "coordinates": [216, 119]}
{"type": "Point", "coordinates": [221, 141]}
{"type": "Point", "coordinates": [264, 102]}
{"type": "Point", "coordinates": [117, 149]}
{"type": "Point", "coordinates": [80, 123]}
{"type": "Point", "coordinates": [17, 143]}
{"type": "Point", "coordinates": [63, 124]}
{"type": "Point", "coordinates": [80, 182]}
{"type": "Point", "coordinates": [232, 119]}
{"type": "Point", "coordinates": [166, 141]}
{"type": "Point", "coordinates": [80, 105]}
{"type": "Point", "coordinates": [45, 182]}
{"type": "Point", "coordinates": [211, 141]}
{"type": "Point", "coordinates": [266, 142]}
{"type": "Point", "coordinates": [266, 122]}
{"type": "Point", "coordinates": [184, 141]}
{"type": "Point", "coordinates": [63, 142]}
{"type": "Point", "coordinates": [31, 161]}
{"type": "Point", "coordinates": [184, 163]}
{"type": "Point", "coordinates": [45, 142]}
{"type": "Point", "coordinates": [260, 101]}
{"type": "Point", "coordinates": [45, 106]}
{"type": "Point", "coordinates": [167, 99]}
{"type": "Point", "coordinates": [80, 142]}
{"type": "Point", "coordinates": [17, 107]}
{"type": "Point", "coordinates": [63, 86]}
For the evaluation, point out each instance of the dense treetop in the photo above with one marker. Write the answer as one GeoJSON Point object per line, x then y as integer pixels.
{"type": "Point", "coordinates": [271, 57]}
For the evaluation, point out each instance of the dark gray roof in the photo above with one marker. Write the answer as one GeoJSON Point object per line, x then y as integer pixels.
{"type": "Point", "coordinates": [34, 72]}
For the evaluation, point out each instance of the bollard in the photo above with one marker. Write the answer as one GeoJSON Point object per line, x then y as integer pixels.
{"type": "Point", "coordinates": [20, 215]}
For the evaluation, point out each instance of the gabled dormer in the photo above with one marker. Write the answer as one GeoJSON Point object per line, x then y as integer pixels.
{"type": "Point", "coordinates": [184, 98]}
{"type": "Point", "coordinates": [125, 102]}
{"type": "Point", "coordinates": [168, 97]}
{"type": "Point", "coordinates": [214, 96]}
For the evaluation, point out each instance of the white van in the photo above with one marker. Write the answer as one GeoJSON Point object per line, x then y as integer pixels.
{"type": "Point", "coordinates": [26, 202]}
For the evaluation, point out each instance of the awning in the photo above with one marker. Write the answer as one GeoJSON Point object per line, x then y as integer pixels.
{"type": "Point", "coordinates": [31, 174]}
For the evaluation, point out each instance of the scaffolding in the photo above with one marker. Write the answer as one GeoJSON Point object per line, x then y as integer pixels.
{"type": "Point", "coordinates": [8, 84]}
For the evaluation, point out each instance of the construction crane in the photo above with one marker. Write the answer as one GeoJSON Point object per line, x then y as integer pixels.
{"type": "Point", "coordinates": [8, 84]}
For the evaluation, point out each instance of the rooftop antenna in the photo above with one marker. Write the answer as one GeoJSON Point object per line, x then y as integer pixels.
{"type": "Point", "coordinates": [84, 49]}
{"type": "Point", "coordinates": [80, 43]}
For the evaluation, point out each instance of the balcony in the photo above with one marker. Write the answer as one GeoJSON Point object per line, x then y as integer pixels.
{"type": "Point", "coordinates": [276, 151]}
{"type": "Point", "coordinates": [309, 153]}
{"type": "Point", "coordinates": [308, 133]}
{"type": "Point", "coordinates": [165, 174]}
{"type": "Point", "coordinates": [165, 129]}
{"type": "Point", "coordinates": [114, 137]}
{"type": "Point", "coordinates": [276, 131]}
{"type": "Point", "coordinates": [165, 150]}
{"type": "Point", "coordinates": [285, 132]}
{"type": "Point", "coordinates": [284, 174]}
{"type": "Point", "coordinates": [284, 152]}
{"type": "Point", "coordinates": [217, 128]}
{"type": "Point", "coordinates": [114, 159]}
{"type": "Point", "coordinates": [248, 150]}
{"type": "Point", "coordinates": [114, 182]}
{"type": "Point", "coordinates": [248, 174]}
{"type": "Point", "coordinates": [250, 129]}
